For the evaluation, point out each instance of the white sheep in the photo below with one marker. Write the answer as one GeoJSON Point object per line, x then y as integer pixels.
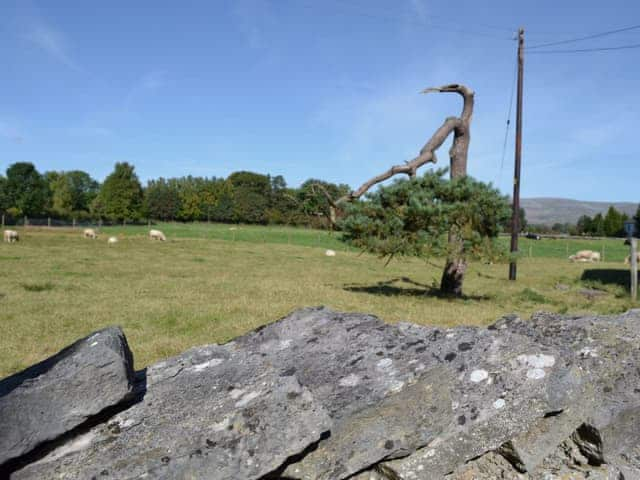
{"type": "Point", "coordinates": [112, 240]}
{"type": "Point", "coordinates": [11, 236]}
{"type": "Point", "coordinates": [89, 233]}
{"type": "Point", "coordinates": [157, 235]}
{"type": "Point", "coordinates": [330, 253]}
{"type": "Point", "coordinates": [585, 256]}
{"type": "Point", "coordinates": [627, 260]}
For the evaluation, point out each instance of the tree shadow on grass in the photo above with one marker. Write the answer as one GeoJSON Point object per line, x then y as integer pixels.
{"type": "Point", "coordinates": [389, 288]}
{"type": "Point", "coordinates": [608, 276]}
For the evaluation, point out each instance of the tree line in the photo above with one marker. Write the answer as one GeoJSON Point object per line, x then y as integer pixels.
{"type": "Point", "coordinates": [242, 197]}
{"type": "Point", "coordinates": [610, 224]}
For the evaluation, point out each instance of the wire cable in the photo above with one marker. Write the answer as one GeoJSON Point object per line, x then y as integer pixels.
{"type": "Point", "coordinates": [418, 22]}
{"type": "Point", "coordinates": [587, 37]}
{"type": "Point", "coordinates": [506, 131]}
{"type": "Point", "coordinates": [586, 50]}
{"type": "Point", "coordinates": [347, 3]}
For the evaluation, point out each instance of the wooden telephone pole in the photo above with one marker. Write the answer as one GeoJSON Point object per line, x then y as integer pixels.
{"type": "Point", "coordinates": [515, 219]}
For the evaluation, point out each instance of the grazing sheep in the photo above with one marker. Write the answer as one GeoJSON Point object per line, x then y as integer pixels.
{"type": "Point", "coordinates": [627, 260]}
{"type": "Point", "coordinates": [11, 236]}
{"type": "Point", "coordinates": [585, 256]}
{"type": "Point", "coordinates": [330, 253]}
{"type": "Point", "coordinates": [157, 235]}
{"type": "Point", "coordinates": [112, 240]}
{"type": "Point", "coordinates": [90, 233]}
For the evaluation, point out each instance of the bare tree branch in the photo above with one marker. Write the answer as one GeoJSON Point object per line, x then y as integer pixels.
{"type": "Point", "coordinates": [324, 192]}
{"type": "Point", "coordinates": [458, 152]}
{"type": "Point", "coordinates": [461, 133]}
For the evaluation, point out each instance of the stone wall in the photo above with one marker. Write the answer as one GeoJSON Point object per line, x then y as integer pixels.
{"type": "Point", "coordinates": [328, 395]}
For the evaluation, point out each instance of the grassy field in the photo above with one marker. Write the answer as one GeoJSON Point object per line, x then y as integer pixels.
{"type": "Point", "coordinates": [303, 237]}
{"type": "Point", "coordinates": [612, 249]}
{"type": "Point", "coordinates": [208, 284]}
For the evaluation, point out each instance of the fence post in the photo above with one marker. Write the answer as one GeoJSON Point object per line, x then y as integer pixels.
{"type": "Point", "coordinates": [26, 221]}
{"type": "Point", "coordinates": [49, 222]}
{"type": "Point", "coordinates": [3, 220]}
{"type": "Point", "coordinates": [634, 269]}
{"type": "Point", "coordinates": [73, 223]}
{"type": "Point", "coordinates": [603, 251]}
{"type": "Point", "coordinates": [530, 251]}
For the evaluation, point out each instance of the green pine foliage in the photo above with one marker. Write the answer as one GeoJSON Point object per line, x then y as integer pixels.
{"type": "Point", "coordinates": [415, 217]}
{"type": "Point", "coordinates": [609, 225]}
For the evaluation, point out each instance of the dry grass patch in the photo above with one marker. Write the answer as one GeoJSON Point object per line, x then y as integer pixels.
{"type": "Point", "coordinates": [169, 296]}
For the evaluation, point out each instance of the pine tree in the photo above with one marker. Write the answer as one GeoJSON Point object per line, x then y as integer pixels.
{"type": "Point", "coordinates": [161, 200]}
{"type": "Point", "coordinates": [613, 223]}
{"type": "Point", "coordinates": [415, 218]}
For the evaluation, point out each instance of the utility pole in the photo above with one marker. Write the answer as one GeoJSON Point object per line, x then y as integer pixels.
{"type": "Point", "coordinates": [515, 219]}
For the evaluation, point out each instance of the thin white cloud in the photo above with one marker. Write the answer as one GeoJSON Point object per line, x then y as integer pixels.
{"type": "Point", "coordinates": [53, 43]}
{"type": "Point", "coordinates": [149, 82]}
{"type": "Point", "coordinates": [389, 124]}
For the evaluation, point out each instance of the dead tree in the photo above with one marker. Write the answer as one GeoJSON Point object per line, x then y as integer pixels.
{"type": "Point", "coordinates": [456, 264]}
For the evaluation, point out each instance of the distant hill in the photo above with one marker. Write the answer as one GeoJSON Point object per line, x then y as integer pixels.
{"type": "Point", "coordinates": [564, 210]}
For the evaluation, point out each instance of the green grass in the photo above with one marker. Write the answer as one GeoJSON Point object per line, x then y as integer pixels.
{"type": "Point", "coordinates": [304, 237]}
{"type": "Point", "coordinates": [612, 249]}
{"type": "Point", "coordinates": [202, 287]}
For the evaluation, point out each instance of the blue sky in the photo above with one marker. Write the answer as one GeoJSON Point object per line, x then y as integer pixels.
{"type": "Point", "coordinates": [307, 88]}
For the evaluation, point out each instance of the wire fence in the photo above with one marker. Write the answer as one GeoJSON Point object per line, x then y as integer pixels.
{"type": "Point", "coordinates": [11, 221]}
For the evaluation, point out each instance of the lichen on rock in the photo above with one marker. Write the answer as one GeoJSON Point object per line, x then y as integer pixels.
{"type": "Point", "coordinates": [328, 395]}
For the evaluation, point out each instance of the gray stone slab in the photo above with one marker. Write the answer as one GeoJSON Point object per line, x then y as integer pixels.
{"type": "Point", "coordinates": [529, 449]}
{"type": "Point", "coordinates": [213, 412]}
{"type": "Point", "coordinates": [325, 395]}
{"type": "Point", "coordinates": [394, 427]}
{"type": "Point", "coordinates": [56, 395]}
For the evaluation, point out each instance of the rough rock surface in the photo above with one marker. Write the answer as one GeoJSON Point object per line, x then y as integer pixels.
{"type": "Point", "coordinates": [214, 412]}
{"type": "Point", "coordinates": [54, 396]}
{"type": "Point", "coordinates": [327, 395]}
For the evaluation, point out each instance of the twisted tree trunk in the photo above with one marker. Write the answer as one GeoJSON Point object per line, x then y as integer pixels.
{"type": "Point", "coordinates": [455, 268]}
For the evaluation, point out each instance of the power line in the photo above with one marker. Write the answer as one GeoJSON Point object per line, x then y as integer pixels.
{"type": "Point", "coordinates": [506, 131]}
{"type": "Point", "coordinates": [387, 18]}
{"type": "Point", "coordinates": [585, 50]}
{"type": "Point", "coordinates": [587, 37]}
{"type": "Point", "coordinates": [487, 26]}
